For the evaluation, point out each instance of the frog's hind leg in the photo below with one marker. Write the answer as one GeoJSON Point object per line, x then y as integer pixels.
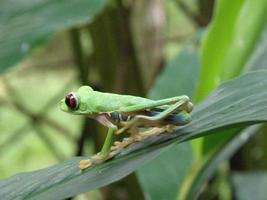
{"type": "Point", "coordinates": [143, 119]}
{"type": "Point", "coordinates": [178, 119]}
{"type": "Point", "coordinates": [183, 101]}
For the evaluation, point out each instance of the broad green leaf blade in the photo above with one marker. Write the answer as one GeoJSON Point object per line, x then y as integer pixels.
{"type": "Point", "coordinates": [249, 86]}
{"type": "Point", "coordinates": [172, 165]}
{"type": "Point", "coordinates": [211, 160]}
{"type": "Point", "coordinates": [25, 23]}
{"type": "Point", "coordinates": [205, 170]}
{"type": "Point", "coordinates": [257, 61]}
{"type": "Point", "coordinates": [241, 101]}
{"type": "Point", "coordinates": [250, 185]}
{"type": "Point", "coordinates": [66, 179]}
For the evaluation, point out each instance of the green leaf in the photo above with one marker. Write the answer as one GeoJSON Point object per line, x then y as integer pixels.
{"type": "Point", "coordinates": [202, 172]}
{"type": "Point", "coordinates": [241, 101]}
{"type": "Point", "coordinates": [220, 146]}
{"type": "Point", "coordinates": [214, 45]}
{"type": "Point", "coordinates": [226, 47]}
{"type": "Point", "coordinates": [178, 77]}
{"type": "Point", "coordinates": [171, 166]}
{"type": "Point", "coordinates": [248, 27]}
{"type": "Point", "coordinates": [250, 185]}
{"type": "Point", "coordinates": [24, 24]}
{"type": "Point", "coordinates": [257, 61]}
{"type": "Point", "coordinates": [229, 41]}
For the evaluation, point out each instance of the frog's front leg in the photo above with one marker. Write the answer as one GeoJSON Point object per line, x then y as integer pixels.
{"type": "Point", "coordinates": [106, 121]}
{"type": "Point", "coordinates": [108, 142]}
{"type": "Point", "coordinates": [104, 153]}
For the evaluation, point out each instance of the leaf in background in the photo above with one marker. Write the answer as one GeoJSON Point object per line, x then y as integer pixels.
{"type": "Point", "coordinates": [25, 23]}
{"type": "Point", "coordinates": [229, 41]}
{"type": "Point", "coordinates": [241, 101]}
{"type": "Point", "coordinates": [202, 172]}
{"type": "Point", "coordinates": [226, 48]}
{"type": "Point", "coordinates": [162, 177]}
{"type": "Point", "coordinates": [248, 28]}
{"type": "Point", "coordinates": [179, 77]}
{"type": "Point", "coordinates": [258, 59]}
{"type": "Point", "coordinates": [250, 185]}
{"type": "Point", "coordinates": [214, 45]}
{"type": "Point", "coordinates": [214, 154]}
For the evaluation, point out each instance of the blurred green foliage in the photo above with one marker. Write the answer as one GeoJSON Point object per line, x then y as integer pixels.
{"type": "Point", "coordinates": [145, 48]}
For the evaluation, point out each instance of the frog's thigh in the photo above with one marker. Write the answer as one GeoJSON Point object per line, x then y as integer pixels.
{"type": "Point", "coordinates": [142, 118]}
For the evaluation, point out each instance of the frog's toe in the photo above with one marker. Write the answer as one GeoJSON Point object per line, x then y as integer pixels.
{"type": "Point", "coordinates": [170, 128]}
{"type": "Point", "coordinates": [189, 107]}
{"type": "Point", "coordinates": [83, 164]}
{"type": "Point", "coordinates": [179, 119]}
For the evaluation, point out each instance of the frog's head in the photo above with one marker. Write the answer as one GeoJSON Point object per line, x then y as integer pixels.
{"type": "Point", "coordinates": [77, 102]}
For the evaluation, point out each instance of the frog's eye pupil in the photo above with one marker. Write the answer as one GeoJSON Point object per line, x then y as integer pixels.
{"type": "Point", "coordinates": [71, 101]}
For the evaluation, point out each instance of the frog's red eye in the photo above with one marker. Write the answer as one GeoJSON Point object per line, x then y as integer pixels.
{"type": "Point", "coordinates": [72, 101]}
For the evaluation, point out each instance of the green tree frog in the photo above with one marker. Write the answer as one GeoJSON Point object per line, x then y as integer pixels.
{"type": "Point", "coordinates": [121, 113]}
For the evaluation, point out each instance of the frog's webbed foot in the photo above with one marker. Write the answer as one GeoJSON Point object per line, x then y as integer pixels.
{"type": "Point", "coordinates": [83, 164]}
{"type": "Point", "coordinates": [138, 135]}
{"type": "Point", "coordinates": [114, 150]}
{"type": "Point", "coordinates": [169, 128]}
{"type": "Point", "coordinates": [95, 159]}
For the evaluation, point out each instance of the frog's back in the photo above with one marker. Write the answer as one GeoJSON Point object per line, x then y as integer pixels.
{"type": "Point", "coordinates": [109, 102]}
